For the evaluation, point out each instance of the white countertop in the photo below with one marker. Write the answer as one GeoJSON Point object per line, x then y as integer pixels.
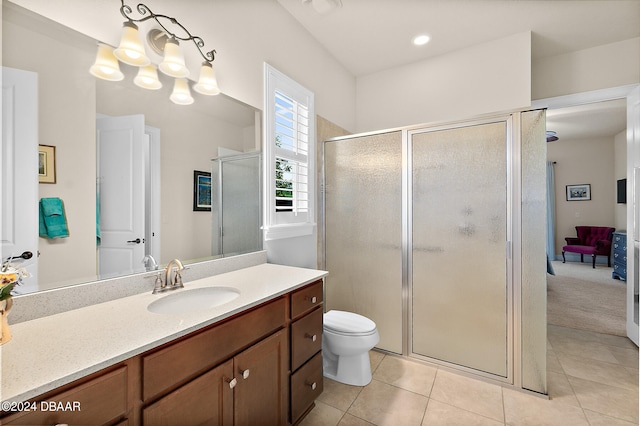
{"type": "Point", "coordinates": [52, 351]}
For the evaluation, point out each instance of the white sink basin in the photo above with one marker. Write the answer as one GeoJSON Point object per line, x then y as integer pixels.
{"type": "Point", "coordinates": [191, 300]}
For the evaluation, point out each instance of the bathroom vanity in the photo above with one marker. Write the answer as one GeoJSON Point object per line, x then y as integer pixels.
{"type": "Point", "coordinates": [254, 360]}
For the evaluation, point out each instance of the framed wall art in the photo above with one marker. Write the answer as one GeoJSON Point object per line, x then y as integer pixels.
{"type": "Point", "coordinates": [579, 192]}
{"type": "Point", "coordinates": [201, 191]}
{"type": "Point", "coordinates": [46, 164]}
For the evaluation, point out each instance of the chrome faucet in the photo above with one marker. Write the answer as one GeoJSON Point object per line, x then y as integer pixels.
{"type": "Point", "coordinates": [173, 281]}
{"type": "Point", "coordinates": [150, 263]}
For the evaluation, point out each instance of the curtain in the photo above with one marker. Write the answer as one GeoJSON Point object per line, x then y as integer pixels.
{"type": "Point", "coordinates": [551, 209]}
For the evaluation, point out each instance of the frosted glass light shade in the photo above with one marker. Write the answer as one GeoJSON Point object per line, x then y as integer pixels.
{"type": "Point", "coordinates": [181, 94]}
{"type": "Point", "coordinates": [173, 63]}
{"type": "Point", "coordinates": [106, 65]}
{"type": "Point", "coordinates": [207, 83]}
{"type": "Point", "coordinates": [147, 78]}
{"type": "Point", "coordinates": [131, 51]}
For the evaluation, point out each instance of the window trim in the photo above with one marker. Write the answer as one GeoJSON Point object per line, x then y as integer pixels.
{"type": "Point", "coordinates": [274, 81]}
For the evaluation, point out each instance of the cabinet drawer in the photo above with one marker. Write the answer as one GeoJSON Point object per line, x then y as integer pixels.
{"type": "Point", "coordinates": [98, 401]}
{"type": "Point", "coordinates": [306, 338]}
{"type": "Point", "coordinates": [306, 386]}
{"type": "Point", "coordinates": [174, 364]}
{"type": "Point", "coordinates": [306, 298]}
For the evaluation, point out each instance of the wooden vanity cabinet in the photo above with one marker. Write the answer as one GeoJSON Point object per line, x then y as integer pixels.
{"type": "Point", "coordinates": [99, 399]}
{"type": "Point", "coordinates": [306, 349]}
{"type": "Point", "coordinates": [262, 366]}
{"type": "Point", "coordinates": [249, 387]}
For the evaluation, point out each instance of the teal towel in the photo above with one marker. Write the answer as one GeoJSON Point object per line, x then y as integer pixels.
{"type": "Point", "coordinates": [52, 221]}
{"type": "Point", "coordinates": [98, 235]}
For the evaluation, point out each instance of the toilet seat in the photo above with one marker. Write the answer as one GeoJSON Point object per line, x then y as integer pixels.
{"type": "Point", "coordinates": [348, 323]}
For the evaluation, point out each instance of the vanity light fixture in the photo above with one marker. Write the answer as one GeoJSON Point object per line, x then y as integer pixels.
{"type": "Point", "coordinates": [131, 51]}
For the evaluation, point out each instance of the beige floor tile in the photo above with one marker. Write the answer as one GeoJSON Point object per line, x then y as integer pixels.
{"type": "Point", "coordinates": [528, 410]}
{"type": "Point", "coordinates": [383, 404]}
{"type": "Point", "coordinates": [627, 357]}
{"type": "Point", "coordinates": [552, 362]}
{"type": "Point", "coordinates": [349, 420]}
{"type": "Point", "coordinates": [322, 415]}
{"type": "Point", "coordinates": [571, 333]}
{"type": "Point", "coordinates": [597, 419]}
{"type": "Point", "coordinates": [375, 358]}
{"type": "Point", "coordinates": [406, 374]}
{"type": "Point", "coordinates": [560, 389]}
{"type": "Point", "coordinates": [597, 371]}
{"type": "Point", "coordinates": [609, 400]}
{"type": "Point", "coordinates": [469, 394]}
{"type": "Point", "coordinates": [339, 395]}
{"type": "Point", "coordinates": [583, 348]}
{"type": "Point", "coordinates": [439, 414]}
{"type": "Point", "coordinates": [619, 341]}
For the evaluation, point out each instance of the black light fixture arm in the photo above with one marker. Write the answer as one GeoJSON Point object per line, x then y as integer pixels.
{"type": "Point", "coordinates": [147, 14]}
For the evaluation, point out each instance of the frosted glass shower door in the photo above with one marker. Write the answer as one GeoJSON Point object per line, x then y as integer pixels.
{"type": "Point", "coordinates": [363, 231]}
{"type": "Point", "coordinates": [236, 194]}
{"type": "Point", "coordinates": [459, 237]}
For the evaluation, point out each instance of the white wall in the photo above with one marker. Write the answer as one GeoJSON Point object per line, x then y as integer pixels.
{"type": "Point", "coordinates": [601, 67]}
{"type": "Point", "coordinates": [620, 172]}
{"type": "Point", "coordinates": [490, 77]}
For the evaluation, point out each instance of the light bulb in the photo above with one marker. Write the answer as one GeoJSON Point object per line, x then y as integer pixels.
{"type": "Point", "coordinates": [131, 51]}
{"type": "Point", "coordinates": [207, 83]}
{"type": "Point", "coordinates": [181, 94]}
{"type": "Point", "coordinates": [173, 63]}
{"type": "Point", "coordinates": [106, 65]}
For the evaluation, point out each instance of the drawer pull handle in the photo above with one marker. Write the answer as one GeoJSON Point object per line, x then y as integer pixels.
{"type": "Point", "coordinates": [314, 299]}
{"type": "Point", "coordinates": [312, 337]}
{"type": "Point", "coordinates": [313, 385]}
{"type": "Point", "coordinates": [232, 382]}
{"type": "Point", "coordinates": [245, 374]}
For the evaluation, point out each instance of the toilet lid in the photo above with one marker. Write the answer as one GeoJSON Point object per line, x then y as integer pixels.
{"type": "Point", "coordinates": [348, 322]}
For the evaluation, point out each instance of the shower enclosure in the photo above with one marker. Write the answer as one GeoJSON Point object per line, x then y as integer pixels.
{"type": "Point", "coordinates": [434, 233]}
{"type": "Point", "coordinates": [236, 200]}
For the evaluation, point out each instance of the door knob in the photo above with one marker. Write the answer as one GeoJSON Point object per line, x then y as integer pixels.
{"type": "Point", "coordinates": [137, 241]}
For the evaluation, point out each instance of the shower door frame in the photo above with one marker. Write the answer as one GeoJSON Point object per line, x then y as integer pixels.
{"type": "Point", "coordinates": [513, 249]}
{"type": "Point", "coordinates": [512, 214]}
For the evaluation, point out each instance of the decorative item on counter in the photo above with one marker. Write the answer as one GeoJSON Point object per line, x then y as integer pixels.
{"type": "Point", "coordinates": [10, 276]}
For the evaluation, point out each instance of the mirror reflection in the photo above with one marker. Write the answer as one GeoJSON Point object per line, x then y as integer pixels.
{"type": "Point", "coordinates": [125, 162]}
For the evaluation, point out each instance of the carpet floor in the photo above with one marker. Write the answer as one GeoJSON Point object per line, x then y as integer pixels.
{"type": "Point", "coordinates": [584, 298]}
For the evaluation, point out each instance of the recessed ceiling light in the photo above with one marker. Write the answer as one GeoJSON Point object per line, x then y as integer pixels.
{"type": "Point", "coordinates": [421, 40]}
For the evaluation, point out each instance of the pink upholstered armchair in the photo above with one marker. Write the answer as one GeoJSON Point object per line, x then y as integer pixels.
{"type": "Point", "coordinates": [593, 240]}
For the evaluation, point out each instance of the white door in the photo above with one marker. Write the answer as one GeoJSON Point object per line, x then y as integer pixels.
{"type": "Point", "coordinates": [120, 148]}
{"type": "Point", "coordinates": [152, 186]}
{"type": "Point", "coordinates": [19, 177]}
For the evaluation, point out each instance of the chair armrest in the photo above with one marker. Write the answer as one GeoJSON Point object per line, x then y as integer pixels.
{"type": "Point", "coordinates": [572, 241]}
{"type": "Point", "coordinates": [603, 245]}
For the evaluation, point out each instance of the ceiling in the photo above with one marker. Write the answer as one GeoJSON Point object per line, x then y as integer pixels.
{"type": "Point", "coordinates": [367, 36]}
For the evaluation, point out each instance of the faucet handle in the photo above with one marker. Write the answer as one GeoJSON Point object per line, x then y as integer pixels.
{"type": "Point", "coordinates": [158, 287]}
{"type": "Point", "coordinates": [178, 280]}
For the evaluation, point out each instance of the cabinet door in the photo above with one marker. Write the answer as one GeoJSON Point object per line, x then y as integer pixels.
{"type": "Point", "coordinates": [206, 400]}
{"type": "Point", "coordinates": [261, 393]}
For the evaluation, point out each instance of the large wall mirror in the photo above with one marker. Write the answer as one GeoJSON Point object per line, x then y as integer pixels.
{"type": "Point", "coordinates": [77, 114]}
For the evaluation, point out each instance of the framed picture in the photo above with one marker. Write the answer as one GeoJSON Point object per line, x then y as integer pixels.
{"type": "Point", "coordinates": [46, 164]}
{"type": "Point", "coordinates": [201, 191]}
{"type": "Point", "coordinates": [579, 192]}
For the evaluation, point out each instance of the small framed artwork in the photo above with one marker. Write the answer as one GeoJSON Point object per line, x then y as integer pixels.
{"type": "Point", "coordinates": [46, 164]}
{"type": "Point", "coordinates": [579, 192]}
{"type": "Point", "coordinates": [201, 191]}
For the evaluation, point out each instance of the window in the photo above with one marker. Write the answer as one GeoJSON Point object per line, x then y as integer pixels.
{"type": "Point", "coordinates": [289, 155]}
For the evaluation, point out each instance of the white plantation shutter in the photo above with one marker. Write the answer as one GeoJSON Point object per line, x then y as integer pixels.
{"type": "Point", "coordinates": [290, 144]}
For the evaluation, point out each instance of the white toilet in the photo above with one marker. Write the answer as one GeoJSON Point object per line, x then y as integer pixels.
{"type": "Point", "coordinates": [347, 339]}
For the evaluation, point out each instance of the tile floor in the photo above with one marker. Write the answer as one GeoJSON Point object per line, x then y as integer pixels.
{"type": "Point", "coordinates": [592, 380]}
